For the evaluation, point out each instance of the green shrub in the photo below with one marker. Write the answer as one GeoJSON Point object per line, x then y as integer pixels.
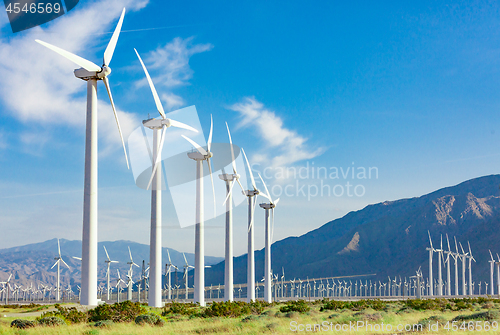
{"type": "Point", "coordinates": [179, 308]}
{"type": "Point", "coordinates": [51, 321]}
{"type": "Point", "coordinates": [295, 306]}
{"type": "Point", "coordinates": [233, 309]}
{"type": "Point", "coordinates": [149, 318]}
{"type": "Point", "coordinates": [432, 319]}
{"type": "Point", "coordinates": [125, 311]}
{"type": "Point", "coordinates": [69, 314]}
{"type": "Point", "coordinates": [359, 305]}
{"type": "Point", "coordinates": [103, 323]}
{"type": "Point", "coordinates": [22, 324]}
{"type": "Point", "coordinates": [486, 316]}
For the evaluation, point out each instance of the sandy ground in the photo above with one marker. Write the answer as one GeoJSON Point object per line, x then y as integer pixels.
{"type": "Point", "coordinates": [38, 313]}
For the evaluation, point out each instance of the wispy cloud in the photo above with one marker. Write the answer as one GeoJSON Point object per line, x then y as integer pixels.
{"type": "Point", "coordinates": [41, 87]}
{"type": "Point", "coordinates": [169, 68]}
{"type": "Point", "coordinates": [283, 147]}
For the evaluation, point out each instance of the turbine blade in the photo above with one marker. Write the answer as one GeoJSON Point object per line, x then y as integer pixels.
{"type": "Point", "coordinates": [77, 258]}
{"type": "Point", "coordinates": [242, 188]}
{"type": "Point", "coordinates": [110, 49]}
{"type": "Point", "coordinates": [209, 143]}
{"type": "Point", "coordinates": [169, 261]}
{"type": "Point", "coordinates": [194, 144]}
{"type": "Point", "coordinates": [106, 83]}
{"type": "Point", "coordinates": [448, 241]}
{"type": "Point", "coordinates": [232, 150]}
{"type": "Point", "coordinates": [456, 246]}
{"type": "Point", "coordinates": [114, 262]}
{"type": "Point", "coordinates": [62, 260]}
{"type": "Point", "coordinates": [86, 64]}
{"type": "Point", "coordinates": [106, 253]}
{"type": "Point", "coordinates": [272, 225]}
{"type": "Point", "coordinates": [430, 240]}
{"type": "Point", "coordinates": [249, 169]}
{"type": "Point", "coordinates": [159, 106]}
{"type": "Point", "coordinates": [491, 256]}
{"type": "Point", "coordinates": [158, 156]}
{"type": "Point", "coordinates": [229, 193]}
{"type": "Point", "coordinates": [470, 251]}
{"type": "Point", "coordinates": [130, 253]}
{"type": "Point", "coordinates": [185, 260]}
{"type": "Point", "coordinates": [178, 124]}
{"type": "Point", "coordinates": [276, 202]}
{"type": "Point", "coordinates": [55, 264]}
{"type": "Point", "coordinates": [59, 248]}
{"type": "Point", "coordinates": [213, 187]}
{"type": "Point", "coordinates": [267, 195]}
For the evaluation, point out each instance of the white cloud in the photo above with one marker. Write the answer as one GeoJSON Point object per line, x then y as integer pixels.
{"type": "Point", "coordinates": [41, 87]}
{"type": "Point", "coordinates": [283, 147]}
{"type": "Point", "coordinates": [172, 100]}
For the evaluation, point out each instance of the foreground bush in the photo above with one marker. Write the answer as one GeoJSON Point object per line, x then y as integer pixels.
{"type": "Point", "coordinates": [125, 311]}
{"type": "Point", "coordinates": [149, 318]}
{"type": "Point", "coordinates": [485, 316]}
{"type": "Point", "coordinates": [442, 304]}
{"type": "Point", "coordinates": [359, 305]}
{"type": "Point", "coordinates": [22, 324]}
{"type": "Point", "coordinates": [51, 321]}
{"type": "Point", "coordinates": [295, 306]}
{"type": "Point", "coordinates": [103, 323]}
{"type": "Point", "coordinates": [179, 308]}
{"type": "Point", "coordinates": [71, 314]}
{"type": "Point", "coordinates": [233, 309]}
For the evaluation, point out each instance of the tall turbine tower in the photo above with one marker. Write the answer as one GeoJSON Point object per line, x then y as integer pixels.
{"type": "Point", "coordinates": [471, 258]}
{"type": "Point", "coordinates": [252, 202]}
{"type": "Point", "coordinates": [158, 126]}
{"type": "Point", "coordinates": [130, 272]}
{"type": "Point", "coordinates": [440, 274]}
{"type": "Point", "coordinates": [269, 233]}
{"type": "Point", "coordinates": [199, 247]}
{"type": "Point", "coordinates": [492, 269]}
{"type": "Point", "coordinates": [431, 250]}
{"type": "Point", "coordinates": [230, 180]}
{"type": "Point", "coordinates": [169, 274]}
{"type": "Point", "coordinates": [456, 257]}
{"type": "Point", "coordinates": [447, 261]}
{"type": "Point", "coordinates": [108, 263]}
{"type": "Point", "coordinates": [92, 73]}
{"type": "Point", "coordinates": [464, 258]}
{"type": "Point", "coordinates": [58, 263]}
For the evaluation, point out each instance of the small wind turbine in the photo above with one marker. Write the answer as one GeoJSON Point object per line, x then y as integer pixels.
{"type": "Point", "coordinates": [456, 257]}
{"type": "Point", "coordinates": [91, 73]}
{"type": "Point", "coordinates": [169, 266]}
{"type": "Point", "coordinates": [158, 126]}
{"type": "Point", "coordinates": [129, 275]}
{"type": "Point", "coordinates": [269, 237]}
{"type": "Point", "coordinates": [252, 202]}
{"type": "Point", "coordinates": [186, 276]}
{"type": "Point", "coordinates": [230, 180]}
{"type": "Point", "coordinates": [447, 261]}
{"type": "Point", "coordinates": [431, 250]}
{"type": "Point", "coordinates": [108, 262]}
{"type": "Point", "coordinates": [119, 280]}
{"type": "Point", "coordinates": [7, 287]}
{"type": "Point", "coordinates": [471, 258]}
{"type": "Point", "coordinates": [199, 241]}
{"type": "Point", "coordinates": [58, 263]}
{"type": "Point", "coordinates": [464, 257]}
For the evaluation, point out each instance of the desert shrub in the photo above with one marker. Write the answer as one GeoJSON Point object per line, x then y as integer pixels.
{"type": "Point", "coordinates": [125, 311]}
{"type": "Point", "coordinates": [233, 309]}
{"type": "Point", "coordinates": [69, 314]}
{"type": "Point", "coordinates": [51, 321]}
{"type": "Point", "coordinates": [359, 305]}
{"type": "Point", "coordinates": [486, 316]}
{"type": "Point", "coordinates": [103, 323]}
{"type": "Point", "coordinates": [295, 306]}
{"type": "Point", "coordinates": [149, 318]}
{"type": "Point", "coordinates": [22, 324]}
{"type": "Point", "coordinates": [432, 319]}
{"type": "Point", "coordinates": [179, 308]}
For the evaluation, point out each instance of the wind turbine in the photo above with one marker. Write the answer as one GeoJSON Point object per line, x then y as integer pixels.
{"type": "Point", "coordinates": [159, 127]}
{"type": "Point", "coordinates": [448, 274]}
{"type": "Point", "coordinates": [199, 242]}
{"type": "Point", "coordinates": [108, 263]}
{"type": "Point", "coordinates": [471, 258]}
{"type": "Point", "coordinates": [463, 257]}
{"type": "Point", "coordinates": [456, 257]}
{"type": "Point", "coordinates": [119, 280]}
{"type": "Point", "coordinates": [230, 180]}
{"type": "Point", "coordinates": [91, 73]}
{"type": "Point", "coordinates": [440, 276]}
{"type": "Point", "coordinates": [58, 263]}
{"type": "Point", "coordinates": [7, 286]}
{"type": "Point", "coordinates": [169, 266]}
{"type": "Point", "coordinates": [129, 275]}
{"type": "Point", "coordinates": [252, 202]}
{"type": "Point", "coordinates": [269, 237]}
{"type": "Point", "coordinates": [186, 277]}
{"type": "Point", "coordinates": [431, 250]}
{"type": "Point", "coordinates": [498, 275]}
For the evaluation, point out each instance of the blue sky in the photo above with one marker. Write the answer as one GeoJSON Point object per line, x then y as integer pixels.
{"type": "Point", "coordinates": [411, 89]}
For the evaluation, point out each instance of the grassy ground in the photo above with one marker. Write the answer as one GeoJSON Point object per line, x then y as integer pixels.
{"type": "Point", "coordinates": [271, 320]}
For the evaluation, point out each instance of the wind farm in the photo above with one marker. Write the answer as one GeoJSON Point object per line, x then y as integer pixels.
{"type": "Point", "coordinates": [363, 142]}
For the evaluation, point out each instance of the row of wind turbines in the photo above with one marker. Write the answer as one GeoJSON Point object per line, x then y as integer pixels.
{"type": "Point", "coordinates": [92, 73]}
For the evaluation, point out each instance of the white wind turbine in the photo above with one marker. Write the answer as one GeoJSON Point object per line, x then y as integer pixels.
{"type": "Point", "coordinates": [7, 287]}
{"type": "Point", "coordinates": [252, 202]}
{"type": "Point", "coordinates": [492, 269]}
{"type": "Point", "coordinates": [431, 250]}
{"type": "Point", "coordinates": [471, 258]}
{"type": "Point", "coordinates": [447, 261]}
{"type": "Point", "coordinates": [456, 257]}
{"type": "Point", "coordinates": [230, 180]}
{"type": "Point", "coordinates": [58, 263]}
{"type": "Point", "coordinates": [158, 126]}
{"type": "Point", "coordinates": [463, 257]}
{"type": "Point", "coordinates": [108, 262]}
{"type": "Point", "coordinates": [186, 277]}
{"type": "Point", "coordinates": [91, 73]}
{"type": "Point", "coordinates": [169, 274]}
{"type": "Point", "coordinates": [129, 275]}
{"type": "Point", "coordinates": [269, 237]}
{"type": "Point", "coordinates": [199, 242]}
{"type": "Point", "coordinates": [119, 280]}
{"type": "Point", "coordinates": [498, 275]}
{"type": "Point", "coordinates": [440, 275]}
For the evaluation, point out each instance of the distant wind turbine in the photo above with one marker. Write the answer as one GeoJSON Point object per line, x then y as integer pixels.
{"type": "Point", "coordinates": [108, 262]}
{"type": "Point", "coordinates": [58, 263]}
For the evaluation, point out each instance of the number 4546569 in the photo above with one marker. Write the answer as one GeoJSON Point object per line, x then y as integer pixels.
{"type": "Point", "coordinates": [33, 8]}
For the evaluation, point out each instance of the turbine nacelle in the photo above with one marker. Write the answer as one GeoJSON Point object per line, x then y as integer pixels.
{"type": "Point", "coordinates": [106, 71]}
